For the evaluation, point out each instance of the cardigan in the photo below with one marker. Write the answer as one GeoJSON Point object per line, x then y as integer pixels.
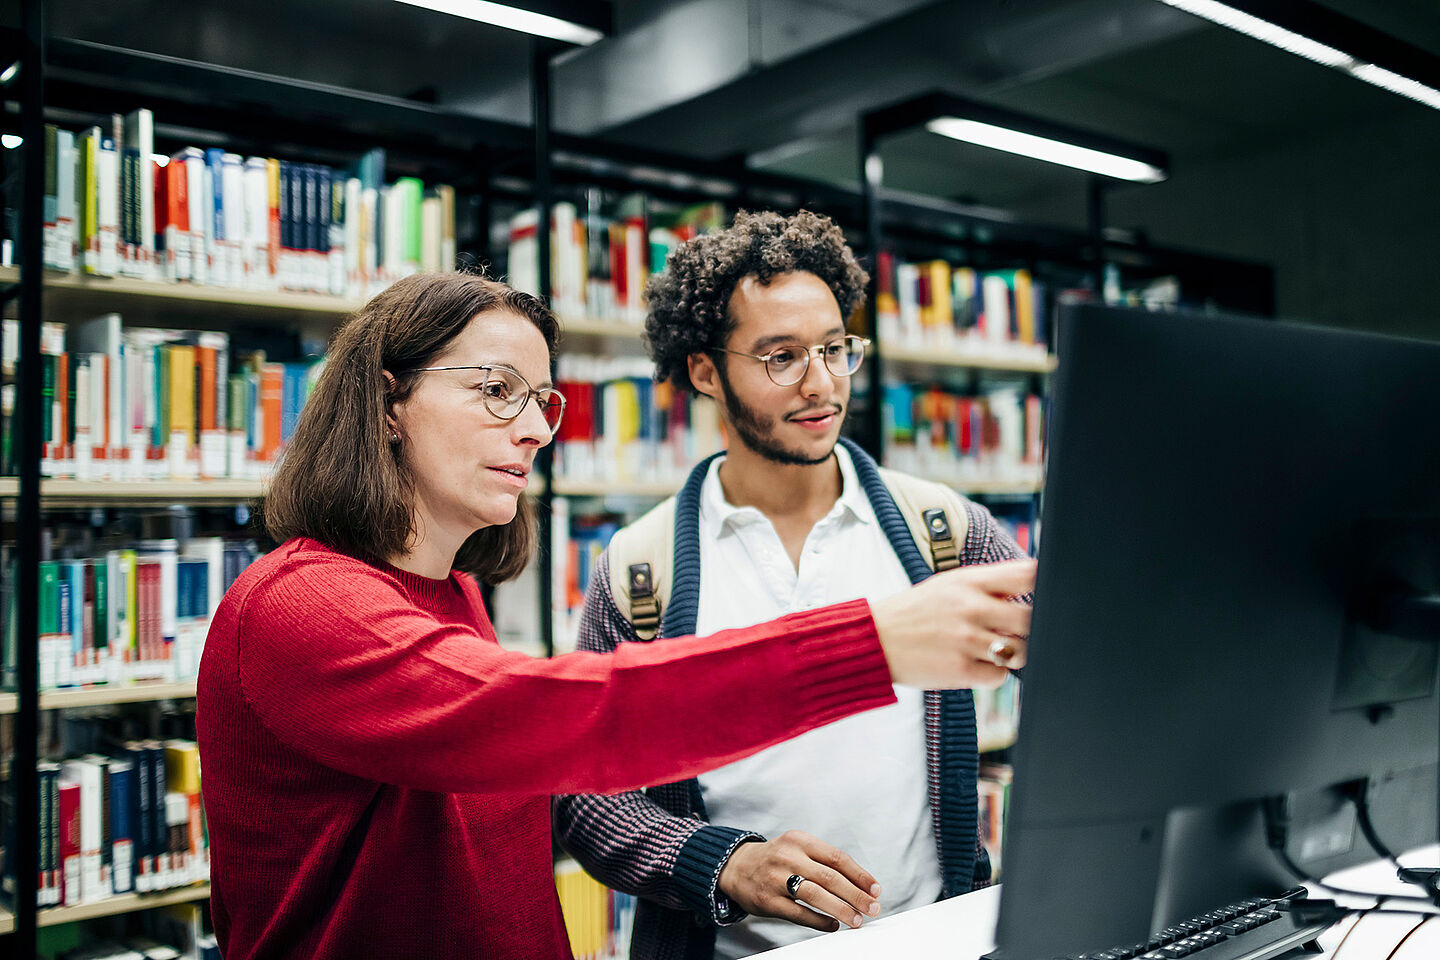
{"type": "Point", "coordinates": [656, 843]}
{"type": "Point", "coordinates": [377, 769]}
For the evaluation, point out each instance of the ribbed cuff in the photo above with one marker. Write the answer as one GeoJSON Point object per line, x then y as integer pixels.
{"type": "Point", "coordinates": [842, 668]}
{"type": "Point", "coordinates": [697, 872]}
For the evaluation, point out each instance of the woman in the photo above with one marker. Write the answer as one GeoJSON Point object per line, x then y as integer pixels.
{"type": "Point", "coordinates": [377, 768]}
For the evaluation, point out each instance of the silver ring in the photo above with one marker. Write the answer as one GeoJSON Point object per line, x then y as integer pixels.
{"type": "Point", "coordinates": [792, 886]}
{"type": "Point", "coordinates": [1001, 653]}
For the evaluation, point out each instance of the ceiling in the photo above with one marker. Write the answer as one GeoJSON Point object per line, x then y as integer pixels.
{"type": "Point", "coordinates": [782, 81]}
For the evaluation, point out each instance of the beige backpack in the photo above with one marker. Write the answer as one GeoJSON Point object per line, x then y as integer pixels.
{"type": "Point", "coordinates": [642, 554]}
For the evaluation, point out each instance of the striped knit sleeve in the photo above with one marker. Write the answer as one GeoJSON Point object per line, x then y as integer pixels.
{"type": "Point", "coordinates": [987, 542]}
{"type": "Point", "coordinates": [626, 840]}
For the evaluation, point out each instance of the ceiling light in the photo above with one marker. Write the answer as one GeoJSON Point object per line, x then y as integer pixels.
{"type": "Point", "coordinates": [1317, 33]}
{"type": "Point", "coordinates": [1043, 148]}
{"type": "Point", "coordinates": [581, 31]}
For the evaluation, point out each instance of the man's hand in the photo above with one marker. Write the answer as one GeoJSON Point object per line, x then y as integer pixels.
{"type": "Point", "coordinates": [754, 879]}
{"type": "Point", "coordinates": [960, 628]}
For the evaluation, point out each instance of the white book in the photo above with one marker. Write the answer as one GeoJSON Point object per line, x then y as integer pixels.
{"type": "Point", "coordinates": [392, 266]}
{"type": "Point", "coordinates": [107, 208]}
{"type": "Point", "coordinates": [232, 184]}
{"type": "Point", "coordinates": [430, 235]}
{"type": "Point", "coordinates": [199, 204]}
{"type": "Point", "coordinates": [354, 243]}
{"type": "Point", "coordinates": [995, 296]}
{"type": "Point", "coordinates": [65, 218]}
{"type": "Point", "coordinates": [92, 820]}
{"type": "Point", "coordinates": [255, 250]}
{"type": "Point", "coordinates": [83, 436]}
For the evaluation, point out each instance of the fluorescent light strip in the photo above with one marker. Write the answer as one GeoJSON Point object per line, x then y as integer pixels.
{"type": "Point", "coordinates": [1253, 26]}
{"type": "Point", "coordinates": [1395, 83]}
{"type": "Point", "coordinates": [1303, 46]}
{"type": "Point", "coordinates": [513, 18]}
{"type": "Point", "coordinates": [1043, 148]}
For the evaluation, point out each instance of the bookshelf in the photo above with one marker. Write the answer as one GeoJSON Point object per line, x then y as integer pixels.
{"type": "Point", "coordinates": [114, 293]}
{"type": "Point", "coordinates": [125, 903]}
{"type": "Point", "coordinates": [102, 696]}
{"type": "Point", "coordinates": [64, 492]}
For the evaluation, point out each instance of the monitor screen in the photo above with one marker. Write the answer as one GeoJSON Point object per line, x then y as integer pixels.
{"type": "Point", "coordinates": [1232, 508]}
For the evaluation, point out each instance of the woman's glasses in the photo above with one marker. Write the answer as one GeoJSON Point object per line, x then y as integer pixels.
{"type": "Point", "coordinates": [504, 393]}
{"type": "Point", "coordinates": [788, 365]}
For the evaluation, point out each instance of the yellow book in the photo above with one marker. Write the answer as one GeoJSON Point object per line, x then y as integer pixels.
{"type": "Point", "coordinates": [1025, 306]}
{"type": "Point", "coordinates": [182, 766]}
{"type": "Point", "coordinates": [942, 316]}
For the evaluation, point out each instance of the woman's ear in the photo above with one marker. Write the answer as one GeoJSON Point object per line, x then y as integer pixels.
{"type": "Point", "coordinates": [392, 425]}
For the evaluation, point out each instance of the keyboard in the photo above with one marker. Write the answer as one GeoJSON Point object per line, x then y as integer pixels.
{"type": "Point", "coordinates": [1253, 929]}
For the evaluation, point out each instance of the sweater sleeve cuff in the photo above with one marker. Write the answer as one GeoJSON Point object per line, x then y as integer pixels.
{"type": "Point", "coordinates": [842, 667]}
{"type": "Point", "coordinates": [697, 872]}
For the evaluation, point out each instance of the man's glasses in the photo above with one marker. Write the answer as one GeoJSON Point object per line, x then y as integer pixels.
{"type": "Point", "coordinates": [788, 365]}
{"type": "Point", "coordinates": [504, 393]}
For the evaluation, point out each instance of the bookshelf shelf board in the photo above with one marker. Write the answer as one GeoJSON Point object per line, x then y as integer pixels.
{"type": "Point", "coordinates": [125, 903]}
{"type": "Point", "coordinates": [590, 327]}
{"type": "Point", "coordinates": [920, 356]}
{"type": "Point", "coordinates": [112, 288]}
{"type": "Point", "coordinates": [601, 488]}
{"type": "Point", "coordinates": [105, 492]}
{"type": "Point", "coordinates": [100, 696]}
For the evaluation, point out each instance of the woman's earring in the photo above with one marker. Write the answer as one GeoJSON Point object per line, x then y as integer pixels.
{"type": "Point", "coordinates": [394, 437]}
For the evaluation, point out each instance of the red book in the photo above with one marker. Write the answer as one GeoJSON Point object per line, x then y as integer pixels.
{"type": "Point", "coordinates": [964, 414]}
{"type": "Point", "coordinates": [69, 841]}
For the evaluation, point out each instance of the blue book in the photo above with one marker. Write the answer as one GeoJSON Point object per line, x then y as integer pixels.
{"type": "Point", "coordinates": [215, 161]}
{"type": "Point", "coordinates": [159, 830]}
{"type": "Point", "coordinates": [121, 773]}
{"type": "Point", "coordinates": [293, 399]}
{"type": "Point", "coordinates": [325, 201]}
{"type": "Point", "coordinates": [74, 573]}
{"type": "Point", "coordinates": [287, 215]}
{"type": "Point", "coordinates": [142, 820]}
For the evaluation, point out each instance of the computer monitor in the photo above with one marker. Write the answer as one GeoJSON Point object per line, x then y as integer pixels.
{"type": "Point", "coordinates": [1228, 504]}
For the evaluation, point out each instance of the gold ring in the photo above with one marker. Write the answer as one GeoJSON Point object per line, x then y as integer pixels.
{"type": "Point", "coordinates": [1001, 653]}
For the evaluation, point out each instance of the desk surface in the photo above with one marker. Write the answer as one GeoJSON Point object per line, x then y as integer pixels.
{"type": "Point", "coordinates": [964, 928]}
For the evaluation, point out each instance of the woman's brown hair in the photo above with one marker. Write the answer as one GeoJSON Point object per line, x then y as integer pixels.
{"type": "Point", "coordinates": [341, 481]}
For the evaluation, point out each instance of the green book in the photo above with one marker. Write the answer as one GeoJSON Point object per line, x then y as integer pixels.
{"type": "Point", "coordinates": [102, 607]}
{"type": "Point", "coordinates": [414, 193]}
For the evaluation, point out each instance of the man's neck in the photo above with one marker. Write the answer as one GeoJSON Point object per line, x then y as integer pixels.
{"type": "Point", "coordinates": [780, 491]}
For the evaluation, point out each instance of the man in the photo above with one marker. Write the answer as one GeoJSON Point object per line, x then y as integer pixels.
{"type": "Point", "coordinates": [789, 518]}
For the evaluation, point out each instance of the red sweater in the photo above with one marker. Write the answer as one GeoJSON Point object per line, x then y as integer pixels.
{"type": "Point", "coordinates": [377, 769]}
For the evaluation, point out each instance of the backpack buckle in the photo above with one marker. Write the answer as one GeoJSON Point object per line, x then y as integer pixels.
{"type": "Point", "coordinates": [943, 550]}
{"type": "Point", "coordinates": [644, 607]}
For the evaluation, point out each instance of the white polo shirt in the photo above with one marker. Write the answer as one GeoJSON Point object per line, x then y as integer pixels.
{"type": "Point", "coordinates": [859, 783]}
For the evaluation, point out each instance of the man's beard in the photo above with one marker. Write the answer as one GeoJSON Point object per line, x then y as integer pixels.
{"type": "Point", "coordinates": [757, 432]}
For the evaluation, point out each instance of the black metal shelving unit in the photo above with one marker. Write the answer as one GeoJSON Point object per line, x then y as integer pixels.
{"type": "Point", "coordinates": [74, 82]}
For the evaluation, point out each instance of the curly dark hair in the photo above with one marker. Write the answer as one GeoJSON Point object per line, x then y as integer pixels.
{"type": "Point", "coordinates": [690, 301]}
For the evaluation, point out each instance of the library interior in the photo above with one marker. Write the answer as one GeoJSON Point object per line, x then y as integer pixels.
{"type": "Point", "coordinates": [1101, 328]}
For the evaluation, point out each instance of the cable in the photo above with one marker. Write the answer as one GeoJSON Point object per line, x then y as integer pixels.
{"type": "Point", "coordinates": [1277, 828]}
{"type": "Point", "coordinates": [1358, 917]}
{"type": "Point", "coordinates": [1359, 793]}
{"type": "Point", "coordinates": [1391, 954]}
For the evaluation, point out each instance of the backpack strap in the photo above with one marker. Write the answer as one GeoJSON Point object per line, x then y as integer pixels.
{"type": "Point", "coordinates": [641, 556]}
{"type": "Point", "coordinates": [935, 514]}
